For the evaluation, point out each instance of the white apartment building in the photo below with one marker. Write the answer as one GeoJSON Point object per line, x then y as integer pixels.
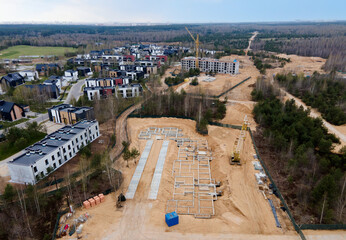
{"type": "Point", "coordinates": [52, 152]}
{"type": "Point", "coordinates": [210, 64]}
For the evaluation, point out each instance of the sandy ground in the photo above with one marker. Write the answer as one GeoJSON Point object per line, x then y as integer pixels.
{"type": "Point", "coordinates": [235, 113]}
{"type": "Point", "coordinates": [299, 64]}
{"type": "Point", "coordinates": [226, 81]}
{"type": "Point", "coordinates": [241, 213]}
{"type": "Point", "coordinates": [324, 234]}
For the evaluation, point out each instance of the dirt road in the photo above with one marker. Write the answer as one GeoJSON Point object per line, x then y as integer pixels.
{"type": "Point", "coordinates": [120, 131]}
{"type": "Point", "coordinates": [250, 41]}
{"type": "Point", "coordinates": [313, 113]}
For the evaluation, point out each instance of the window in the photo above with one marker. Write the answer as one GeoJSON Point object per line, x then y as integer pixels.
{"type": "Point", "coordinates": [69, 147]}
{"type": "Point", "coordinates": [85, 134]}
{"type": "Point", "coordinates": [53, 158]}
{"type": "Point", "coordinates": [96, 127]}
{"type": "Point", "coordinates": [59, 162]}
{"type": "Point", "coordinates": [76, 140]}
{"type": "Point", "coordinates": [65, 158]}
{"type": "Point", "coordinates": [72, 143]}
{"type": "Point", "coordinates": [46, 161]}
{"type": "Point", "coordinates": [35, 169]}
{"type": "Point", "coordinates": [58, 154]}
{"type": "Point", "coordinates": [81, 137]}
{"type": "Point", "coordinates": [54, 165]}
{"type": "Point", "coordinates": [64, 150]}
{"type": "Point", "coordinates": [70, 154]}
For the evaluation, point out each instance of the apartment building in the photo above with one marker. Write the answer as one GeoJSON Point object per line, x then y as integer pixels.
{"type": "Point", "coordinates": [67, 114]}
{"type": "Point", "coordinates": [211, 65]}
{"type": "Point", "coordinates": [125, 91]}
{"type": "Point", "coordinates": [52, 152]}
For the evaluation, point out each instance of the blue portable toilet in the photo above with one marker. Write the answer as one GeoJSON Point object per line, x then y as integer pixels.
{"type": "Point", "coordinates": [172, 219]}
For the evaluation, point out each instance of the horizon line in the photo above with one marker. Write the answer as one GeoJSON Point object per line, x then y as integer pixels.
{"type": "Point", "coordinates": [162, 23]}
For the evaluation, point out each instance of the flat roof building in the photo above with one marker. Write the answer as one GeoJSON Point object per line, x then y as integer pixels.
{"type": "Point", "coordinates": [47, 155]}
{"type": "Point", "coordinates": [67, 114]}
{"type": "Point", "coordinates": [211, 65]}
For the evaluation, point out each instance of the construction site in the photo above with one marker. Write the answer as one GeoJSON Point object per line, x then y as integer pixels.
{"type": "Point", "coordinates": [214, 185]}
{"type": "Point", "coordinates": [182, 171]}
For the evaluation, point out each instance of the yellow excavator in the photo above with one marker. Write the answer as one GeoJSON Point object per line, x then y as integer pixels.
{"type": "Point", "coordinates": [239, 143]}
{"type": "Point", "coordinates": [196, 40]}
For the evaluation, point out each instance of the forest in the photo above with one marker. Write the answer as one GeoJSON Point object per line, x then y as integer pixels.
{"type": "Point", "coordinates": [202, 109]}
{"type": "Point", "coordinates": [325, 40]}
{"type": "Point", "coordinates": [325, 92]}
{"type": "Point", "coordinates": [298, 150]}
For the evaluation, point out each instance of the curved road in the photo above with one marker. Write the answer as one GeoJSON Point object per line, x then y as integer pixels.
{"type": "Point", "coordinates": [120, 131]}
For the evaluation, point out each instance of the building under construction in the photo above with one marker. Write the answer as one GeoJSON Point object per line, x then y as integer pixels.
{"type": "Point", "coordinates": [211, 65]}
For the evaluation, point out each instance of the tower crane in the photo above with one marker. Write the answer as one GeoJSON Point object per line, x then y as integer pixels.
{"type": "Point", "coordinates": [239, 143]}
{"type": "Point", "coordinates": [196, 40]}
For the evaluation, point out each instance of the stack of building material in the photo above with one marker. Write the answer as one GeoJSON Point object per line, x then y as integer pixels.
{"type": "Point", "coordinates": [97, 200]}
{"type": "Point", "coordinates": [86, 204]}
{"type": "Point", "coordinates": [92, 202]}
{"type": "Point", "coordinates": [102, 197]}
{"type": "Point", "coordinates": [257, 165]}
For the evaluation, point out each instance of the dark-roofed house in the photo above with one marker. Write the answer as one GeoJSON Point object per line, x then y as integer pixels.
{"type": "Point", "coordinates": [10, 111]}
{"type": "Point", "coordinates": [67, 114]}
{"type": "Point", "coordinates": [10, 80]}
{"type": "Point", "coordinates": [84, 71]}
{"type": "Point", "coordinates": [44, 68]}
{"type": "Point", "coordinates": [51, 91]}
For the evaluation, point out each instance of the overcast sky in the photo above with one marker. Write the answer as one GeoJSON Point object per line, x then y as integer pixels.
{"type": "Point", "coordinates": [170, 11]}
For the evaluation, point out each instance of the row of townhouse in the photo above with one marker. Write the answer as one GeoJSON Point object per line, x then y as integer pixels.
{"type": "Point", "coordinates": [124, 91]}
{"type": "Point", "coordinates": [69, 115]}
{"type": "Point", "coordinates": [52, 152]}
{"type": "Point", "coordinates": [211, 65]}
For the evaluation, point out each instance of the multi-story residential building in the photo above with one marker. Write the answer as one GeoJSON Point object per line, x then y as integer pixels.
{"type": "Point", "coordinates": [159, 58]}
{"type": "Point", "coordinates": [125, 91]}
{"type": "Point", "coordinates": [52, 152]}
{"type": "Point", "coordinates": [105, 82]}
{"type": "Point", "coordinates": [67, 114]}
{"type": "Point", "coordinates": [211, 65]}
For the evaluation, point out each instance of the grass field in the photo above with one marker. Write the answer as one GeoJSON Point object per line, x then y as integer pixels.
{"type": "Point", "coordinates": [23, 50]}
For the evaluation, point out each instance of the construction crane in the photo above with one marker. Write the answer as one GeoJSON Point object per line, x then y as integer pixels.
{"type": "Point", "coordinates": [239, 143]}
{"type": "Point", "coordinates": [196, 40]}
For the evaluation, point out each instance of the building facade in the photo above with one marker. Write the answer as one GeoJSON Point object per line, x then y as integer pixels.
{"type": "Point", "coordinates": [124, 91]}
{"type": "Point", "coordinates": [52, 152]}
{"type": "Point", "coordinates": [10, 111]}
{"type": "Point", "coordinates": [211, 65]}
{"type": "Point", "coordinates": [67, 114]}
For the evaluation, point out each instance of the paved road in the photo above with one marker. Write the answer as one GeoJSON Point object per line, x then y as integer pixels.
{"type": "Point", "coordinates": [75, 91]}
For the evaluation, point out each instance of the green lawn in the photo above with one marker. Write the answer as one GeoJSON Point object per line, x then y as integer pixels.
{"type": "Point", "coordinates": [6, 124]}
{"type": "Point", "coordinates": [23, 50]}
{"type": "Point", "coordinates": [6, 150]}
